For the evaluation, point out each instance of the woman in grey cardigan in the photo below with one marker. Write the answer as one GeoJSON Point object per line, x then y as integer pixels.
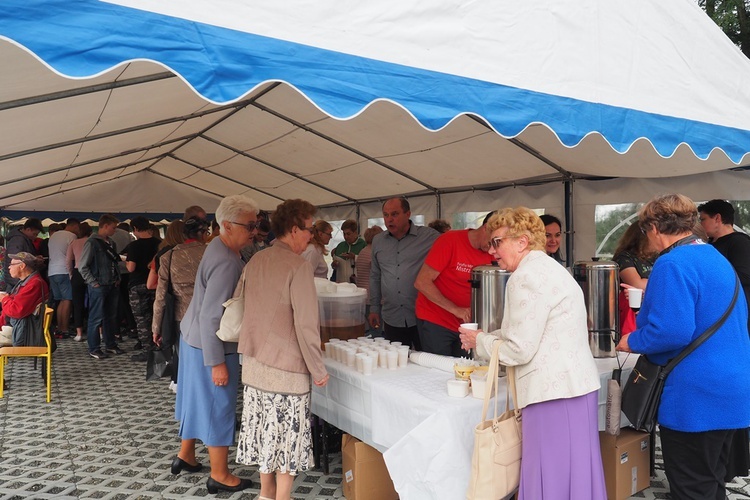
{"type": "Point", "coordinates": [209, 368]}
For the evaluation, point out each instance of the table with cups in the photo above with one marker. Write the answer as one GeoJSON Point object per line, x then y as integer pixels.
{"type": "Point", "coordinates": [398, 402]}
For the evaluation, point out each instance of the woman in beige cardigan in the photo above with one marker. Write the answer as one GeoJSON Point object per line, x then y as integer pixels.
{"type": "Point", "coordinates": [545, 336]}
{"type": "Point", "coordinates": [280, 345]}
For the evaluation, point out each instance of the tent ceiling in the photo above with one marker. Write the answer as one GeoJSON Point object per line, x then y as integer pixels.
{"type": "Point", "coordinates": [139, 137]}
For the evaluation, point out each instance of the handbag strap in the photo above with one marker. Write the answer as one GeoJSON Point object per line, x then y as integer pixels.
{"type": "Point", "coordinates": [704, 336]}
{"type": "Point", "coordinates": [169, 269]}
{"type": "Point", "coordinates": [492, 382]}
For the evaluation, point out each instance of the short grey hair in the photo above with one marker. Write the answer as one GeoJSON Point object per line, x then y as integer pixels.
{"type": "Point", "coordinates": [232, 206]}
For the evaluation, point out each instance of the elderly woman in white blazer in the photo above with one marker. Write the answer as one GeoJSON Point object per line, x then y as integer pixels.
{"type": "Point", "coordinates": [545, 336]}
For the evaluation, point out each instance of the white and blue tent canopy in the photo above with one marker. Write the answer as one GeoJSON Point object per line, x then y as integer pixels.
{"type": "Point", "coordinates": [137, 106]}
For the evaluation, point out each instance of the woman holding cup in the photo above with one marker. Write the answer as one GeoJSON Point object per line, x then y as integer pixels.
{"type": "Point", "coordinates": [544, 334]}
{"type": "Point", "coordinates": [705, 397]}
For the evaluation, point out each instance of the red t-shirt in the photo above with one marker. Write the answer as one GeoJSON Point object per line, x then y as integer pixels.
{"type": "Point", "coordinates": [453, 257]}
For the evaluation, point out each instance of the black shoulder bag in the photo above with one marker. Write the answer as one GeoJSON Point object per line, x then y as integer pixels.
{"type": "Point", "coordinates": [642, 393]}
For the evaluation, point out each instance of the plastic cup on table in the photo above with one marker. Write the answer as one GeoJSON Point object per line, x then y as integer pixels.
{"type": "Point", "coordinates": [367, 363]}
{"type": "Point", "coordinates": [470, 326]}
{"type": "Point", "coordinates": [397, 344]}
{"type": "Point", "coordinates": [359, 362]}
{"type": "Point", "coordinates": [403, 356]}
{"type": "Point", "coordinates": [328, 349]}
{"type": "Point", "coordinates": [351, 358]}
{"type": "Point", "coordinates": [392, 357]}
{"type": "Point", "coordinates": [383, 357]}
{"type": "Point", "coordinates": [373, 355]}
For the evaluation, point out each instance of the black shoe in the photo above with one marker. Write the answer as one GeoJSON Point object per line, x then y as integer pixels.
{"type": "Point", "coordinates": [178, 465]}
{"type": "Point", "coordinates": [213, 486]}
{"type": "Point", "coordinates": [141, 356]}
{"type": "Point", "coordinates": [138, 346]}
{"type": "Point", "coordinates": [114, 350]}
{"type": "Point", "coordinates": [98, 354]}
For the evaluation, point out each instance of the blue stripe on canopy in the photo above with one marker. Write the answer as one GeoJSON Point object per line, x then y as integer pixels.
{"type": "Point", "coordinates": [81, 38]}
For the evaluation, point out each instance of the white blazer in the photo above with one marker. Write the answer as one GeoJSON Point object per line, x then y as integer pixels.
{"type": "Point", "coordinates": [544, 333]}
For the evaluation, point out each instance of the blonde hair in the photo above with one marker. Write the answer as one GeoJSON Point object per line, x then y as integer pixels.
{"type": "Point", "coordinates": [669, 214]}
{"type": "Point", "coordinates": [520, 221]}
{"type": "Point", "coordinates": [370, 233]}
{"type": "Point", "coordinates": [320, 226]}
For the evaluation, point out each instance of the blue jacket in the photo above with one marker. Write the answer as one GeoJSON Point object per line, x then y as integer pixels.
{"type": "Point", "coordinates": [688, 290]}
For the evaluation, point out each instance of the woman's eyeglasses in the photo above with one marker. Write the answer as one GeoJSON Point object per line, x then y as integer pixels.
{"type": "Point", "coordinates": [495, 242]}
{"type": "Point", "coordinates": [250, 226]}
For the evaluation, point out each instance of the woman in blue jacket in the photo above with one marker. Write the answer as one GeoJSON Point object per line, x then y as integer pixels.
{"type": "Point", "coordinates": [705, 397]}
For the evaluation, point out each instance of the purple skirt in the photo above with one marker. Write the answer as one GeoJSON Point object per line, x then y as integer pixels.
{"type": "Point", "coordinates": [561, 455]}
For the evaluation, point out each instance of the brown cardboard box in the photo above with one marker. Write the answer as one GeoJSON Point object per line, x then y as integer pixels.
{"type": "Point", "coordinates": [626, 463]}
{"type": "Point", "coordinates": [364, 471]}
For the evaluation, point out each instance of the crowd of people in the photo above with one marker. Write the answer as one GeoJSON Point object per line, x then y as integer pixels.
{"type": "Point", "coordinates": [417, 278]}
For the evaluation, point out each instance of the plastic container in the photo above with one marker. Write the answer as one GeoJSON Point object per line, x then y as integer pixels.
{"type": "Point", "coordinates": [342, 311]}
{"type": "Point", "coordinates": [458, 388]}
{"type": "Point", "coordinates": [478, 383]}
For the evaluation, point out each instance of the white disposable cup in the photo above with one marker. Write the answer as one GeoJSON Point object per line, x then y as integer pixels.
{"type": "Point", "coordinates": [350, 357]}
{"type": "Point", "coordinates": [478, 384]}
{"type": "Point", "coordinates": [470, 326]}
{"type": "Point", "coordinates": [392, 357]}
{"type": "Point", "coordinates": [458, 388]}
{"type": "Point", "coordinates": [383, 356]}
{"type": "Point", "coordinates": [403, 356]}
{"type": "Point", "coordinates": [635, 296]}
{"type": "Point", "coordinates": [367, 363]}
{"type": "Point", "coordinates": [340, 353]}
{"type": "Point", "coordinates": [374, 357]}
{"type": "Point", "coordinates": [359, 360]}
{"type": "Point", "coordinates": [396, 344]}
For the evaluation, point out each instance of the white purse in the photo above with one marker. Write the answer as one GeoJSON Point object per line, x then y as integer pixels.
{"type": "Point", "coordinates": [234, 310]}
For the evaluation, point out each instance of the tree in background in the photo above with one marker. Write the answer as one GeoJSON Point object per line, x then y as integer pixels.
{"type": "Point", "coordinates": [732, 18]}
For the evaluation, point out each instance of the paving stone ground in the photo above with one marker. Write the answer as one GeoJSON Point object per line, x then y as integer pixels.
{"type": "Point", "coordinates": [109, 434]}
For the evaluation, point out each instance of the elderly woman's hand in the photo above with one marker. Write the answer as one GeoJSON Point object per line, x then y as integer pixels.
{"type": "Point", "coordinates": [220, 374]}
{"type": "Point", "coordinates": [623, 344]}
{"type": "Point", "coordinates": [468, 337]}
{"type": "Point", "coordinates": [322, 382]}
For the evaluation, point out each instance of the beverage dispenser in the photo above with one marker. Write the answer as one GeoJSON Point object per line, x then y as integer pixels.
{"type": "Point", "coordinates": [600, 281]}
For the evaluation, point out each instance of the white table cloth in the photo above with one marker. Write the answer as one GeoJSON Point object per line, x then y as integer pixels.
{"type": "Point", "coordinates": [426, 436]}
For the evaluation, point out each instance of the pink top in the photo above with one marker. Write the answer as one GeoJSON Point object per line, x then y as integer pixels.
{"type": "Point", "coordinates": [73, 256]}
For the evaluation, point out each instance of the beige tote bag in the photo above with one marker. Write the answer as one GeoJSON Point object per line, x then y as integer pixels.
{"type": "Point", "coordinates": [496, 462]}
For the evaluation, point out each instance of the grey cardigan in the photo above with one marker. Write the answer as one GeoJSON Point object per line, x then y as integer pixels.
{"type": "Point", "coordinates": [218, 274]}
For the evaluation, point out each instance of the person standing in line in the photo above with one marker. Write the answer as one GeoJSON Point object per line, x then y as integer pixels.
{"type": "Point", "coordinates": [346, 252]}
{"type": "Point", "coordinates": [316, 250]}
{"type": "Point", "coordinates": [125, 319]}
{"type": "Point", "coordinates": [78, 285]}
{"type": "Point", "coordinates": [362, 266]}
{"type": "Point", "coordinates": [139, 255]}
{"type": "Point", "coordinates": [59, 279]}
{"type": "Point", "coordinates": [99, 268]}
{"type": "Point", "coordinates": [704, 402]}
{"type": "Point", "coordinates": [209, 372]}
{"type": "Point", "coordinates": [397, 255]}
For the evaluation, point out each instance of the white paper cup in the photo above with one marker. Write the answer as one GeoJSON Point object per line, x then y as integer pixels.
{"type": "Point", "coordinates": [396, 344]}
{"type": "Point", "coordinates": [635, 296]}
{"type": "Point", "coordinates": [470, 326]}
{"type": "Point", "coordinates": [392, 357]}
{"type": "Point", "coordinates": [359, 361]}
{"type": "Point", "coordinates": [367, 365]}
{"type": "Point", "coordinates": [328, 350]}
{"type": "Point", "coordinates": [478, 384]}
{"type": "Point", "coordinates": [374, 357]}
{"type": "Point", "coordinates": [351, 357]}
{"type": "Point", "coordinates": [403, 356]}
{"type": "Point", "coordinates": [383, 357]}
{"type": "Point", "coordinates": [458, 388]}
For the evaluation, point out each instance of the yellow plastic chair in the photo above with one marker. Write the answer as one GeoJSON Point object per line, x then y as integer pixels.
{"type": "Point", "coordinates": [32, 352]}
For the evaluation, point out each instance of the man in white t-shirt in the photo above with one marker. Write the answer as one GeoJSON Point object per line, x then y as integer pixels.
{"type": "Point", "coordinates": [59, 274]}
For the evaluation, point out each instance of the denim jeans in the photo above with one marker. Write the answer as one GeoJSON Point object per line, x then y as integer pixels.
{"type": "Point", "coordinates": [102, 312]}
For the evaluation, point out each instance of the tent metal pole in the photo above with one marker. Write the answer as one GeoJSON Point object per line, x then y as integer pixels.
{"type": "Point", "coordinates": [569, 223]}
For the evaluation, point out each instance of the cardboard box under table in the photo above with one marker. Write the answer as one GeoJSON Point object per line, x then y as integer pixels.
{"type": "Point", "coordinates": [364, 471]}
{"type": "Point", "coordinates": [626, 460]}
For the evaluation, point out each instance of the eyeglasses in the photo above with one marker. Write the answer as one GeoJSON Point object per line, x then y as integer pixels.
{"type": "Point", "coordinates": [495, 242]}
{"type": "Point", "coordinates": [311, 229]}
{"type": "Point", "coordinates": [250, 226]}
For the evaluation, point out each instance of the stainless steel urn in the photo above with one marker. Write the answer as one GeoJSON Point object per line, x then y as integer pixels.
{"type": "Point", "coordinates": [600, 281]}
{"type": "Point", "coordinates": [488, 296]}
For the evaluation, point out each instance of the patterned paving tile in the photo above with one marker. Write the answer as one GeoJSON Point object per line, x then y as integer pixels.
{"type": "Point", "coordinates": [109, 434]}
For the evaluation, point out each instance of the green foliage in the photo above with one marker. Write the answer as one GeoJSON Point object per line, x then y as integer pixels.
{"type": "Point", "coordinates": [611, 223]}
{"type": "Point", "coordinates": [732, 17]}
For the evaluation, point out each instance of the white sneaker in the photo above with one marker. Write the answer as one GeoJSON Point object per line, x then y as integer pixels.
{"type": "Point", "coordinates": [78, 338]}
{"type": "Point", "coordinates": [173, 387]}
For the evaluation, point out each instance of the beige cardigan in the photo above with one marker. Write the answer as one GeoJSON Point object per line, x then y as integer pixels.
{"type": "Point", "coordinates": [544, 333]}
{"type": "Point", "coordinates": [280, 333]}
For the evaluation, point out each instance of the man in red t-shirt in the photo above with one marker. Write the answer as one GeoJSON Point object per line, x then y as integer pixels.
{"type": "Point", "coordinates": [444, 297]}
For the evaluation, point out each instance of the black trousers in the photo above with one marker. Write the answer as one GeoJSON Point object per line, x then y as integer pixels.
{"type": "Point", "coordinates": [407, 335]}
{"type": "Point", "coordinates": [695, 463]}
{"type": "Point", "coordinates": [440, 340]}
{"type": "Point", "coordinates": [79, 298]}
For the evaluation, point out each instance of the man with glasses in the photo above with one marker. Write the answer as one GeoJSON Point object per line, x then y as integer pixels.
{"type": "Point", "coordinates": [20, 239]}
{"type": "Point", "coordinates": [397, 255]}
{"type": "Point", "coordinates": [444, 299]}
{"type": "Point", "coordinates": [259, 241]}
